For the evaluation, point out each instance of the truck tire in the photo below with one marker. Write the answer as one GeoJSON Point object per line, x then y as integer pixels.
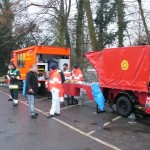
{"type": "Point", "coordinates": [124, 106]}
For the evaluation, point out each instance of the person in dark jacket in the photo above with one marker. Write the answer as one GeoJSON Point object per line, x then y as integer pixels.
{"type": "Point", "coordinates": [8, 80]}
{"type": "Point", "coordinates": [13, 75]}
{"type": "Point", "coordinates": [32, 89]}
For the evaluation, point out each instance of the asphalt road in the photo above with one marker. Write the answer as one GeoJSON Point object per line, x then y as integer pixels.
{"type": "Point", "coordinates": [78, 127]}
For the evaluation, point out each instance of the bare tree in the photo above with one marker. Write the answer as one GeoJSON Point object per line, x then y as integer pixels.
{"type": "Point", "coordinates": [122, 24]}
{"type": "Point", "coordinates": [63, 36]}
{"type": "Point", "coordinates": [79, 32]}
{"type": "Point", "coordinates": [91, 27]}
{"type": "Point", "coordinates": [144, 21]}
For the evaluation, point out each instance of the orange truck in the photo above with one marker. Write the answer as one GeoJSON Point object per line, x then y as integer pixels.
{"type": "Point", "coordinates": [124, 77]}
{"type": "Point", "coordinates": [43, 56]}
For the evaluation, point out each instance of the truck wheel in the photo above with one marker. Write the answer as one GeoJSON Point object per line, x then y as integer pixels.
{"type": "Point", "coordinates": [124, 106]}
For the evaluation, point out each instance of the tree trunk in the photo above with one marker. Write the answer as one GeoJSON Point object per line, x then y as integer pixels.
{"type": "Point", "coordinates": [93, 39]}
{"type": "Point", "coordinates": [144, 22]}
{"type": "Point", "coordinates": [61, 35]}
{"type": "Point", "coordinates": [79, 32]}
{"type": "Point", "coordinates": [121, 23]}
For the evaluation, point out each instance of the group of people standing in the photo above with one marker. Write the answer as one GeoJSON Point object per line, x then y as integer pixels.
{"type": "Point", "coordinates": [55, 85]}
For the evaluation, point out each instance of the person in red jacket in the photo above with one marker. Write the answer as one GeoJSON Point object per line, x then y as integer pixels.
{"type": "Point", "coordinates": [66, 71]}
{"type": "Point", "coordinates": [56, 88]}
{"type": "Point", "coordinates": [77, 78]}
{"type": "Point", "coordinates": [77, 75]}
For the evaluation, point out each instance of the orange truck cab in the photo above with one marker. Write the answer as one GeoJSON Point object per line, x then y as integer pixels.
{"type": "Point", "coordinates": [43, 56]}
{"type": "Point", "coordinates": [124, 77]}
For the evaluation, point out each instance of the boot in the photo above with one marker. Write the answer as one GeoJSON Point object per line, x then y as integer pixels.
{"type": "Point", "coordinates": [15, 102]}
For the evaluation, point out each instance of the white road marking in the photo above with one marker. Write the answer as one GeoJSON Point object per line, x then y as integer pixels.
{"type": "Point", "coordinates": [116, 118]}
{"type": "Point", "coordinates": [37, 99]}
{"type": "Point", "coordinates": [130, 122]}
{"type": "Point", "coordinates": [87, 135]}
{"type": "Point", "coordinates": [41, 99]}
{"type": "Point", "coordinates": [105, 124]}
{"type": "Point", "coordinates": [91, 132]}
{"type": "Point", "coordinates": [71, 106]}
{"type": "Point", "coordinates": [73, 128]}
{"type": "Point", "coordinates": [68, 107]}
{"type": "Point", "coordinates": [74, 105]}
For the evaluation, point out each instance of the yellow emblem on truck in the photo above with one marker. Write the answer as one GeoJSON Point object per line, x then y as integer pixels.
{"type": "Point", "coordinates": [124, 65]}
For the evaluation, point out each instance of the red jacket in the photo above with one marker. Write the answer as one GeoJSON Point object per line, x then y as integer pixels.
{"type": "Point", "coordinates": [77, 75]}
{"type": "Point", "coordinates": [55, 82]}
{"type": "Point", "coordinates": [67, 74]}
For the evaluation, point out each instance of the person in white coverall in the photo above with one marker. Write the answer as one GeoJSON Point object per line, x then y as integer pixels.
{"type": "Point", "coordinates": [56, 88]}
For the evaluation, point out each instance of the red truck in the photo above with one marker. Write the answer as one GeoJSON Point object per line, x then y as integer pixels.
{"type": "Point", "coordinates": [124, 77]}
